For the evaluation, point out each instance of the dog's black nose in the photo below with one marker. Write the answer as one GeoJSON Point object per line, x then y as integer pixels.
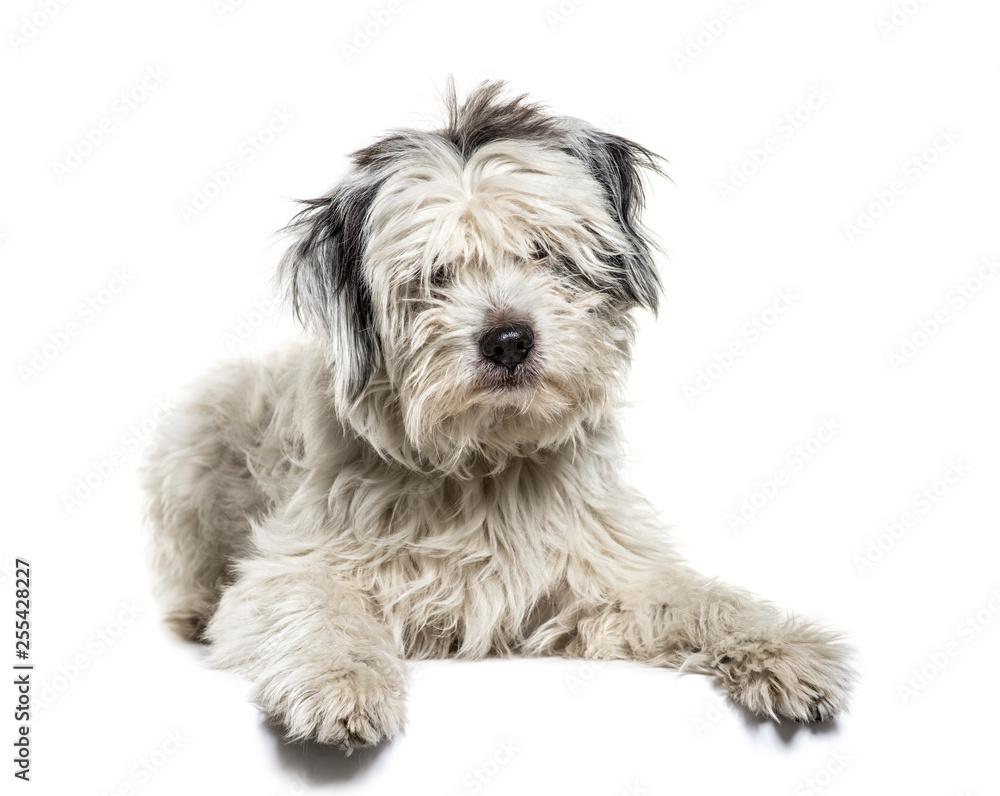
{"type": "Point", "coordinates": [507, 345]}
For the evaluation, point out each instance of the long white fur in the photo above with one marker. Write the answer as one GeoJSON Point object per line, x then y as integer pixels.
{"type": "Point", "coordinates": [316, 540]}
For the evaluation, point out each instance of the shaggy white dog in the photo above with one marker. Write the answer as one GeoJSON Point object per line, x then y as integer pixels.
{"type": "Point", "coordinates": [435, 471]}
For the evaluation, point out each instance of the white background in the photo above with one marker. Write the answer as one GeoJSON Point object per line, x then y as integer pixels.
{"type": "Point", "coordinates": [110, 687]}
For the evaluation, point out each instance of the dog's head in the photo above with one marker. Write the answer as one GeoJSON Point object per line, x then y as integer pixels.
{"type": "Point", "coordinates": [473, 285]}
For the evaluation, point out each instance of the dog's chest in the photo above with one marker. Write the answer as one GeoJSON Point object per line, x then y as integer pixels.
{"type": "Point", "coordinates": [460, 567]}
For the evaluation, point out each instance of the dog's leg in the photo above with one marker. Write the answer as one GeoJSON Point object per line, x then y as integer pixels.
{"type": "Point", "coordinates": [211, 474]}
{"type": "Point", "coordinates": [775, 665]}
{"type": "Point", "coordinates": [198, 506]}
{"type": "Point", "coordinates": [321, 663]}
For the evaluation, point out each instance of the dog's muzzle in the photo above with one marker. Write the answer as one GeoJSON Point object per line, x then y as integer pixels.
{"type": "Point", "coordinates": [507, 345]}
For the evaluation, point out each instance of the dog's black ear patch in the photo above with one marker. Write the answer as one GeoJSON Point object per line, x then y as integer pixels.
{"type": "Point", "coordinates": [618, 164]}
{"type": "Point", "coordinates": [325, 278]}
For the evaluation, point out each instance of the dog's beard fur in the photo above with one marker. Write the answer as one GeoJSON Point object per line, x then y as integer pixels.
{"type": "Point", "coordinates": [389, 489]}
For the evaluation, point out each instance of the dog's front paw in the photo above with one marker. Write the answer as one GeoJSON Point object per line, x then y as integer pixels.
{"type": "Point", "coordinates": [353, 703]}
{"type": "Point", "coordinates": [800, 673]}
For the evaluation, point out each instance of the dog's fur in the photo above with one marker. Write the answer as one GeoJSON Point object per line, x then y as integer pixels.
{"type": "Point", "coordinates": [385, 491]}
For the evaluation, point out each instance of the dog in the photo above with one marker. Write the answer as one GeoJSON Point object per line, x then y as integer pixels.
{"type": "Point", "coordinates": [434, 469]}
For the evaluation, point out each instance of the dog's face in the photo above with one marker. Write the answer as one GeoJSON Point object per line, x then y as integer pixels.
{"type": "Point", "coordinates": [474, 285]}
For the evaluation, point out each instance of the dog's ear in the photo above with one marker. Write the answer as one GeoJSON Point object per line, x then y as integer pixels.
{"type": "Point", "coordinates": [619, 165]}
{"type": "Point", "coordinates": [324, 277]}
